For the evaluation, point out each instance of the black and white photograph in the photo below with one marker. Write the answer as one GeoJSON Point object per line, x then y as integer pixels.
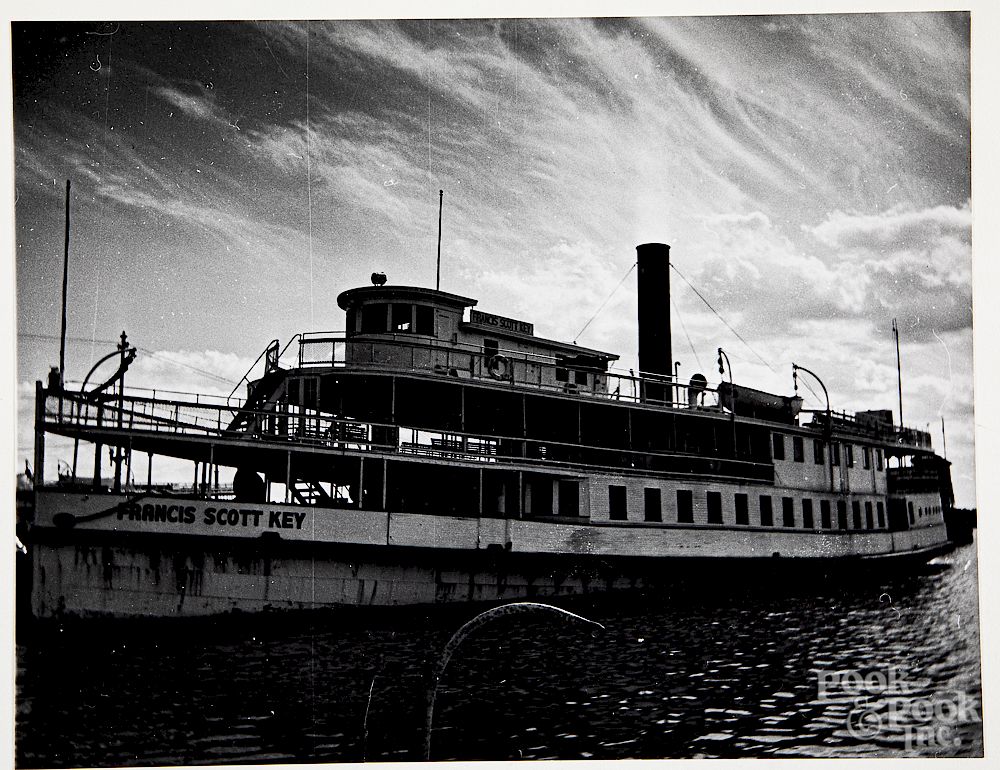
{"type": "Point", "coordinates": [508, 388]}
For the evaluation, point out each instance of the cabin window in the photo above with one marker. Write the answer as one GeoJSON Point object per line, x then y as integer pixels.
{"type": "Point", "coordinates": [880, 514]}
{"type": "Point", "coordinates": [835, 454]}
{"type": "Point", "coordinates": [866, 457]}
{"type": "Point", "coordinates": [425, 320]}
{"type": "Point", "coordinates": [869, 518]}
{"type": "Point", "coordinates": [856, 511]}
{"type": "Point", "coordinates": [807, 513]}
{"type": "Point", "coordinates": [562, 374]}
{"type": "Point", "coordinates": [402, 317]}
{"type": "Point", "coordinates": [652, 500]}
{"type": "Point", "coordinates": [849, 455]}
{"type": "Point", "coordinates": [798, 451]}
{"type": "Point", "coordinates": [352, 320]}
{"type": "Point", "coordinates": [909, 506]}
{"type": "Point", "coordinates": [778, 446]}
{"type": "Point", "coordinates": [569, 498]}
{"type": "Point", "coordinates": [766, 511]}
{"type": "Point", "coordinates": [787, 512]}
{"type": "Point", "coordinates": [841, 514]}
{"type": "Point", "coordinates": [714, 500]}
{"type": "Point", "coordinates": [742, 508]}
{"type": "Point", "coordinates": [818, 455]}
{"type": "Point", "coordinates": [374, 319]}
{"type": "Point", "coordinates": [310, 392]}
{"type": "Point", "coordinates": [490, 348]}
{"type": "Point", "coordinates": [878, 459]}
{"type": "Point", "coordinates": [617, 503]}
{"type": "Point", "coordinates": [580, 377]}
{"type": "Point", "coordinates": [824, 514]}
{"type": "Point", "coordinates": [685, 506]}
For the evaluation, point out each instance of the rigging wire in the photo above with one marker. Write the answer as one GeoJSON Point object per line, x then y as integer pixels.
{"type": "Point", "coordinates": [606, 301]}
{"type": "Point", "coordinates": [724, 321]}
{"type": "Point", "coordinates": [312, 318]}
{"type": "Point", "coordinates": [684, 328]}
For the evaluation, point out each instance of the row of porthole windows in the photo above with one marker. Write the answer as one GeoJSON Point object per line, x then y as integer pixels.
{"type": "Point", "coordinates": [819, 452]}
{"type": "Point", "coordinates": [921, 511]}
{"type": "Point", "coordinates": [867, 517]}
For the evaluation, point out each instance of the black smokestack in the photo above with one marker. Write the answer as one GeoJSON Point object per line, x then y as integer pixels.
{"type": "Point", "coordinates": [655, 355]}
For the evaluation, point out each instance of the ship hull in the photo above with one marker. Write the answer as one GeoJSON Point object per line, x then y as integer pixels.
{"type": "Point", "coordinates": [89, 558]}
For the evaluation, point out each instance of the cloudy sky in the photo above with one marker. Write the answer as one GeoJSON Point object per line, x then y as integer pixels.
{"type": "Point", "coordinates": [811, 174]}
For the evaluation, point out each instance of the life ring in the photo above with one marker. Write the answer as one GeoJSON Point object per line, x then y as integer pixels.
{"type": "Point", "coordinates": [498, 366]}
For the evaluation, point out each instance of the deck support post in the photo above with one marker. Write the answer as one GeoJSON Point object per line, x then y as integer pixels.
{"type": "Point", "coordinates": [288, 477]}
{"type": "Point", "coordinates": [39, 469]}
{"type": "Point", "coordinates": [385, 483]}
{"type": "Point", "coordinates": [149, 472]}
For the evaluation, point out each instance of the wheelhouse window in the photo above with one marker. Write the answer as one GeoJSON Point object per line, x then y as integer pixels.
{"type": "Point", "coordinates": [880, 514]}
{"type": "Point", "coordinates": [742, 509]}
{"type": "Point", "coordinates": [807, 513]}
{"type": "Point", "coordinates": [685, 506]}
{"type": "Point", "coordinates": [787, 512]}
{"type": "Point", "coordinates": [562, 374]}
{"type": "Point", "coordinates": [617, 503]}
{"type": "Point", "coordinates": [425, 320]}
{"type": "Point", "coordinates": [766, 511]}
{"type": "Point", "coordinates": [374, 319]}
{"type": "Point", "coordinates": [798, 450]}
{"type": "Point", "coordinates": [869, 518]}
{"type": "Point", "coordinates": [819, 456]}
{"type": "Point", "coordinates": [824, 514]}
{"type": "Point", "coordinates": [778, 446]}
{"type": "Point", "coordinates": [402, 317]}
{"type": "Point", "coordinates": [714, 500]}
{"type": "Point", "coordinates": [856, 511]}
{"type": "Point", "coordinates": [841, 514]}
{"type": "Point", "coordinates": [580, 377]}
{"type": "Point", "coordinates": [490, 348]}
{"type": "Point", "coordinates": [652, 504]}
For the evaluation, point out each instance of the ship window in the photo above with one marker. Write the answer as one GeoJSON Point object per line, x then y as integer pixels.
{"type": "Point", "coordinates": [490, 348]}
{"type": "Point", "coordinates": [824, 514]}
{"type": "Point", "coordinates": [880, 514]}
{"type": "Point", "coordinates": [807, 513]}
{"type": "Point", "coordinates": [849, 455]}
{"type": "Point", "coordinates": [866, 457]}
{"type": "Point", "coordinates": [352, 320]}
{"type": "Point", "coordinates": [766, 512]}
{"type": "Point", "coordinates": [652, 501]}
{"type": "Point", "coordinates": [569, 497]}
{"type": "Point", "coordinates": [798, 451]}
{"type": "Point", "coordinates": [685, 508]}
{"type": "Point", "coordinates": [293, 390]}
{"type": "Point", "coordinates": [835, 454]}
{"type": "Point", "coordinates": [818, 455]}
{"type": "Point", "coordinates": [562, 374]}
{"type": "Point", "coordinates": [374, 319]}
{"type": "Point", "coordinates": [402, 318]}
{"type": "Point", "coordinates": [714, 500]}
{"type": "Point", "coordinates": [617, 503]}
{"type": "Point", "coordinates": [909, 506]}
{"type": "Point", "coordinates": [841, 514]}
{"type": "Point", "coordinates": [425, 320]}
{"type": "Point", "coordinates": [310, 387]}
{"type": "Point", "coordinates": [869, 519]}
{"type": "Point", "coordinates": [787, 512]}
{"type": "Point", "coordinates": [743, 508]}
{"type": "Point", "coordinates": [878, 459]}
{"type": "Point", "coordinates": [580, 377]}
{"type": "Point", "coordinates": [856, 511]}
{"type": "Point", "coordinates": [778, 446]}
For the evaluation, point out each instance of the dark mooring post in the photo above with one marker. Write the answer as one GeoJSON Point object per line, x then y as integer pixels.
{"type": "Point", "coordinates": [655, 355]}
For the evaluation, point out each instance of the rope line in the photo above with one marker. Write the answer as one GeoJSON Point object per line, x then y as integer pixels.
{"type": "Point", "coordinates": [738, 335]}
{"type": "Point", "coordinates": [684, 328]}
{"type": "Point", "coordinates": [606, 301]}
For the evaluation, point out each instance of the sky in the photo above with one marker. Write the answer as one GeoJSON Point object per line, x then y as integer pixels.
{"type": "Point", "coordinates": [810, 173]}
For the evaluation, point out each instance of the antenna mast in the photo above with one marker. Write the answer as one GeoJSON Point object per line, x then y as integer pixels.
{"type": "Point", "coordinates": [899, 371]}
{"type": "Point", "coordinates": [62, 334]}
{"type": "Point", "coordinates": [440, 208]}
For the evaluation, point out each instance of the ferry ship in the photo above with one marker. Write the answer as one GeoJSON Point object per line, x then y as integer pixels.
{"type": "Point", "coordinates": [433, 453]}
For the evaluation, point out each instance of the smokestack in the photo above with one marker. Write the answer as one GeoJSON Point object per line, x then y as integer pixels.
{"type": "Point", "coordinates": [655, 355]}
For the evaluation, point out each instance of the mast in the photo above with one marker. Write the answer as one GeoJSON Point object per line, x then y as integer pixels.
{"type": "Point", "coordinates": [899, 371]}
{"type": "Point", "coordinates": [62, 334]}
{"type": "Point", "coordinates": [440, 208]}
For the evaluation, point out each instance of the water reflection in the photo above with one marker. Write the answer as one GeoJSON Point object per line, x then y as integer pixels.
{"type": "Point", "coordinates": [727, 675]}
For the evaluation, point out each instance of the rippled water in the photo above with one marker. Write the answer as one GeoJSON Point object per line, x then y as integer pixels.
{"type": "Point", "coordinates": [722, 675]}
